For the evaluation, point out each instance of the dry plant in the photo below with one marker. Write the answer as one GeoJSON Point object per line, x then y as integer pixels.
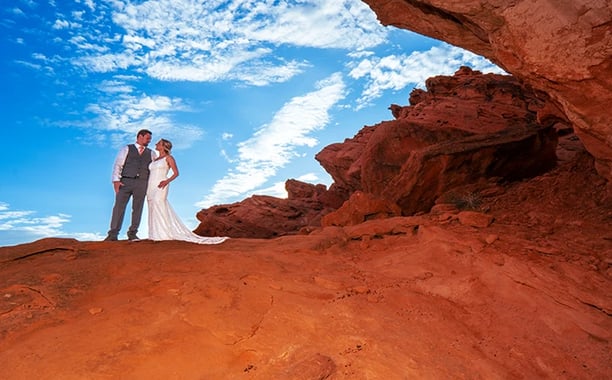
{"type": "Point", "coordinates": [467, 200]}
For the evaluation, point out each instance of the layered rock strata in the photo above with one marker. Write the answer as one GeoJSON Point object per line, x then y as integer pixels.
{"type": "Point", "coordinates": [463, 129]}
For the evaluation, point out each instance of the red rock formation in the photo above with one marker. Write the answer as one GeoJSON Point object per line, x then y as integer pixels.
{"type": "Point", "coordinates": [563, 48]}
{"type": "Point", "coordinates": [359, 208]}
{"type": "Point", "coordinates": [463, 129]}
{"type": "Point", "coordinates": [263, 216]}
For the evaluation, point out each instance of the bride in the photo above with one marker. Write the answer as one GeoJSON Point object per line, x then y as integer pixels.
{"type": "Point", "coordinates": [164, 224]}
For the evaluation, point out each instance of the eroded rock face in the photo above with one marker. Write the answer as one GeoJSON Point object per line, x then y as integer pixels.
{"type": "Point", "coordinates": [359, 208]}
{"type": "Point", "coordinates": [263, 216]}
{"type": "Point", "coordinates": [464, 129]}
{"type": "Point", "coordinates": [563, 48]}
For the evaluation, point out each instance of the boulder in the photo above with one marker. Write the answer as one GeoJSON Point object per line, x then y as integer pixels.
{"type": "Point", "coordinates": [360, 208]}
{"type": "Point", "coordinates": [262, 216]}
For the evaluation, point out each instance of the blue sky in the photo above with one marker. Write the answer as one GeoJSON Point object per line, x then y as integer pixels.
{"type": "Point", "coordinates": [248, 92]}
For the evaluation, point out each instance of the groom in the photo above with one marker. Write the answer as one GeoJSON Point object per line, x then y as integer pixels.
{"type": "Point", "coordinates": [130, 177]}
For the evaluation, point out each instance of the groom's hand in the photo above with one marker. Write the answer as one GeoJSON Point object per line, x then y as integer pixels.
{"type": "Point", "coordinates": [117, 185]}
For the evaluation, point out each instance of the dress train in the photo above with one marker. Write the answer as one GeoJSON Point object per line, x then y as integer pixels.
{"type": "Point", "coordinates": [164, 223]}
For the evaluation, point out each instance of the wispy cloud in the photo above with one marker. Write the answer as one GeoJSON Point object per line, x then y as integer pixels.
{"type": "Point", "coordinates": [115, 86]}
{"type": "Point", "coordinates": [63, 24]}
{"type": "Point", "coordinates": [396, 72]}
{"type": "Point", "coordinates": [309, 178]}
{"type": "Point", "coordinates": [275, 144]}
{"type": "Point", "coordinates": [321, 24]}
{"type": "Point", "coordinates": [31, 65]}
{"type": "Point", "coordinates": [125, 114]}
{"type": "Point", "coordinates": [278, 188]}
{"type": "Point", "coordinates": [26, 222]}
{"type": "Point", "coordinates": [17, 11]}
{"type": "Point", "coordinates": [221, 40]}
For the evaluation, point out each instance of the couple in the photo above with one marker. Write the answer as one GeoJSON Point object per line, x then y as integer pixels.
{"type": "Point", "coordinates": [137, 172]}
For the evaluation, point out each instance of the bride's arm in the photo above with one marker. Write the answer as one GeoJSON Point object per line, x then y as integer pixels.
{"type": "Point", "coordinates": [172, 163]}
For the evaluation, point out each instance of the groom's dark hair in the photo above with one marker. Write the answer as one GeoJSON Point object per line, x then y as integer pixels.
{"type": "Point", "coordinates": [143, 132]}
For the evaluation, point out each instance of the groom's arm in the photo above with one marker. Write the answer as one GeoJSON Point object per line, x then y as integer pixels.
{"type": "Point", "coordinates": [118, 167]}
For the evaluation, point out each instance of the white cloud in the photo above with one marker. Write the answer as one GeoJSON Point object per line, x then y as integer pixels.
{"type": "Point", "coordinates": [397, 72]}
{"type": "Point", "coordinates": [115, 86]}
{"type": "Point", "coordinates": [29, 64]}
{"type": "Point", "coordinates": [224, 154]}
{"type": "Point", "coordinates": [137, 42]}
{"type": "Point", "coordinates": [61, 24]}
{"type": "Point", "coordinates": [90, 4]}
{"type": "Point", "coordinates": [40, 57]}
{"type": "Point", "coordinates": [43, 226]}
{"type": "Point", "coordinates": [33, 227]}
{"type": "Point", "coordinates": [107, 62]}
{"type": "Point", "coordinates": [18, 11]}
{"type": "Point", "coordinates": [247, 67]}
{"type": "Point", "coordinates": [126, 114]}
{"type": "Point", "coordinates": [276, 190]}
{"type": "Point", "coordinates": [85, 236]}
{"type": "Point", "coordinates": [78, 15]}
{"type": "Point", "coordinates": [320, 24]}
{"type": "Point", "coordinates": [309, 178]}
{"type": "Point", "coordinates": [204, 40]}
{"type": "Point", "coordinates": [274, 145]}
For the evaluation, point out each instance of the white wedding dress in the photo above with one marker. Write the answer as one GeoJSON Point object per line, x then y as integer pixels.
{"type": "Point", "coordinates": [164, 224]}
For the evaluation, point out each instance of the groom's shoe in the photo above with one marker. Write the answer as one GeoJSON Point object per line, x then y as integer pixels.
{"type": "Point", "coordinates": [111, 238]}
{"type": "Point", "coordinates": [133, 237]}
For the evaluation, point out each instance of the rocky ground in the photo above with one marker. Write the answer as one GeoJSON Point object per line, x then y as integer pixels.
{"type": "Point", "coordinates": [441, 295]}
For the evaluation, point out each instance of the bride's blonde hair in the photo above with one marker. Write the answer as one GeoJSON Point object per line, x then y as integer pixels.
{"type": "Point", "coordinates": [167, 145]}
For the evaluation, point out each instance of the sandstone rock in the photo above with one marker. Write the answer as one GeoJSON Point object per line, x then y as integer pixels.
{"type": "Point", "coordinates": [475, 219]}
{"type": "Point", "coordinates": [265, 216]}
{"type": "Point", "coordinates": [359, 208]}
{"type": "Point", "coordinates": [491, 238]}
{"type": "Point", "coordinates": [317, 366]}
{"type": "Point", "coordinates": [443, 208]}
{"type": "Point", "coordinates": [560, 48]}
{"type": "Point", "coordinates": [343, 162]}
{"type": "Point", "coordinates": [378, 228]}
{"type": "Point", "coordinates": [465, 128]}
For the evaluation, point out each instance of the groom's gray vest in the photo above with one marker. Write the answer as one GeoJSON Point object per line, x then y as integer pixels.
{"type": "Point", "coordinates": [136, 165]}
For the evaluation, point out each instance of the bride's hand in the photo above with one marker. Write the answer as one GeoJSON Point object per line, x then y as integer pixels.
{"type": "Point", "coordinates": [162, 184]}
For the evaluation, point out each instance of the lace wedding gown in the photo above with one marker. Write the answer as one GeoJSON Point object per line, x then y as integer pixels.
{"type": "Point", "coordinates": [164, 224]}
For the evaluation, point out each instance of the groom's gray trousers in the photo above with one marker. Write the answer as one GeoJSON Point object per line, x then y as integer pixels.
{"type": "Point", "coordinates": [136, 188]}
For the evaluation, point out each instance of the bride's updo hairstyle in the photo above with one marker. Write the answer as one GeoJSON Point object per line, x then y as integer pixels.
{"type": "Point", "coordinates": [167, 145]}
